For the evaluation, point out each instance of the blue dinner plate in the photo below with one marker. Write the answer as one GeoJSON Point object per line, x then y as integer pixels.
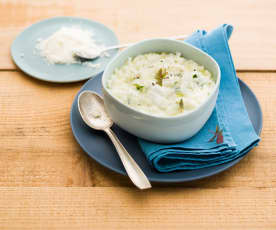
{"type": "Point", "coordinates": [27, 58]}
{"type": "Point", "coordinates": [98, 146]}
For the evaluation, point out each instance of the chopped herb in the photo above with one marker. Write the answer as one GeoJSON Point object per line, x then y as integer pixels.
{"type": "Point", "coordinates": [153, 83]}
{"type": "Point", "coordinates": [139, 87]}
{"type": "Point", "coordinates": [179, 94]}
{"type": "Point", "coordinates": [194, 76]}
{"type": "Point", "coordinates": [160, 75]}
{"type": "Point", "coordinates": [181, 105]}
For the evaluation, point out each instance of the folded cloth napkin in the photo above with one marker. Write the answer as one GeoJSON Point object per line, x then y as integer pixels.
{"type": "Point", "coordinates": [229, 114]}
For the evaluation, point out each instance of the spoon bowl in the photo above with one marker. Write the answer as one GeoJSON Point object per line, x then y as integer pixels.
{"type": "Point", "coordinates": [92, 111]}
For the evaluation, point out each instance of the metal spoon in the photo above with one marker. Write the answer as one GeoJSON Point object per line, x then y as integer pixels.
{"type": "Point", "coordinates": [91, 54]}
{"type": "Point", "coordinates": [92, 111]}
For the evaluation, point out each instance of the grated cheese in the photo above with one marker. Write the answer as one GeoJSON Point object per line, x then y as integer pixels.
{"type": "Point", "coordinates": [59, 48]}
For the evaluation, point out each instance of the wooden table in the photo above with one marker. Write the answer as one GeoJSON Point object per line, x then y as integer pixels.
{"type": "Point", "coordinates": [48, 182]}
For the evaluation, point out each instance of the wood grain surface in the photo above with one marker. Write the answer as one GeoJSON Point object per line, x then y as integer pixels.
{"type": "Point", "coordinates": [48, 182]}
{"type": "Point", "coordinates": [253, 43]}
{"type": "Point", "coordinates": [128, 208]}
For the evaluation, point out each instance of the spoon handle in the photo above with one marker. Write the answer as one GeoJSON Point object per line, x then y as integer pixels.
{"type": "Point", "coordinates": [117, 47]}
{"type": "Point", "coordinates": [179, 37]}
{"type": "Point", "coordinates": [133, 170]}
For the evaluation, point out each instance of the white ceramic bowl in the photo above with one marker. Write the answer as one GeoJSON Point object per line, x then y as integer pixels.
{"type": "Point", "coordinates": [151, 127]}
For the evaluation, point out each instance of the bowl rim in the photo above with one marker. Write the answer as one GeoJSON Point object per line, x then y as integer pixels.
{"type": "Point", "coordinates": [185, 115]}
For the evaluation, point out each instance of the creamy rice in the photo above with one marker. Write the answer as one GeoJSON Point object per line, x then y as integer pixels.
{"type": "Point", "coordinates": [162, 84]}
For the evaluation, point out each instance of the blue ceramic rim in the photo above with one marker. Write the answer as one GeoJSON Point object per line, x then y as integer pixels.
{"type": "Point", "coordinates": [172, 180]}
{"type": "Point", "coordinates": [23, 69]}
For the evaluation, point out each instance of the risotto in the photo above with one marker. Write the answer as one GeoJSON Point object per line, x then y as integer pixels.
{"type": "Point", "coordinates": [161, 84]}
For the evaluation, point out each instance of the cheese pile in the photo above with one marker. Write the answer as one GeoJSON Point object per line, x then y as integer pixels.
{"type": "Point", "coordinates": [59, 48]}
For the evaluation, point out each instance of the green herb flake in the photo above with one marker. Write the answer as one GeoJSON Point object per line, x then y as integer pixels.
{"type": "Point", "coordinates": [139, 87]}
{"type": "Point", "coordinates": [194, 76]}
{"type": "Point", "coordinates": [179, 94]}
{"type": "Point", "coordinates": [160, 75]}
{"type": "Point", "coordinates": [181, 105]}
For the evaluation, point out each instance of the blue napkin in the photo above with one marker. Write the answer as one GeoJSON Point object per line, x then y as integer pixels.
{"type": "Point", "coordinates": [229, 114]}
